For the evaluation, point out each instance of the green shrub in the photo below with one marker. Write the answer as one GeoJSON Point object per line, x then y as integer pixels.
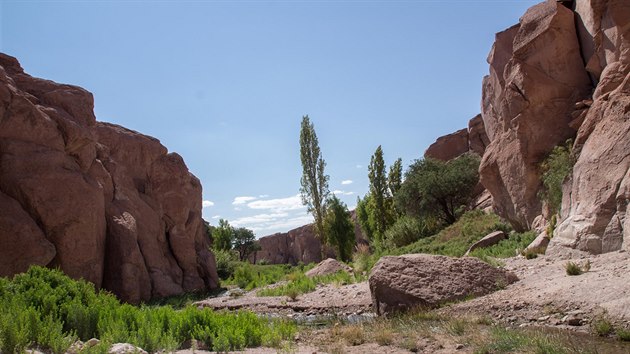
{"type": "Point", "coordinates": [405, 230]}
{"type": "Point", "coordinates": [623, 334]}
{"type": "Point", "coordinates": [555, 168]}
{"type": "Point", "coordinates": [602, 326]}
{"type": "Point", "coordinates": [45, 308]}
{"type": "Point", "coordinates": [509, 247]}
{"type": "Point", "coordinates": [575, 269]}
{"type": "Point", "coordinates": [226, 262]}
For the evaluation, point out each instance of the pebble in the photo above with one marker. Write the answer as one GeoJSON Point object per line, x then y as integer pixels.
{"type": "Point", "coordinates": [459, 347]}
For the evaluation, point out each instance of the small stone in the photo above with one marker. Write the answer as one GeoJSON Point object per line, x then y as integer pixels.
{"type": "Point", "coordinates": [92, 342]}
{"type": "Point", "coordinates": [543, 318]}
{"type": "Point", "coordinates": [459, 347]}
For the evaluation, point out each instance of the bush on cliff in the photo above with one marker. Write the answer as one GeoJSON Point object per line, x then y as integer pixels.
{"type": "Point", "coordinates": [555, 169]}
{"type": "Point", "coordinates": [44, 308]}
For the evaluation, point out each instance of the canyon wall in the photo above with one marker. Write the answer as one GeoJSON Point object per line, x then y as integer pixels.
{"type": "Point", "coordinates": [562, 72]}
{"type": "Point", "coordinates": [97, 200]}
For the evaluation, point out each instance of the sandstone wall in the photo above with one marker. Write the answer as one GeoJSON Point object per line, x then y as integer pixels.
{"type": "Point", "coordinates": [101, 202]}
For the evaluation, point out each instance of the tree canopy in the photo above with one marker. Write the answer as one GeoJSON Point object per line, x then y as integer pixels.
{"type": "Point", "coordinates": [339, 228]}
{"type": "Point", "coordinates": [437, 188]}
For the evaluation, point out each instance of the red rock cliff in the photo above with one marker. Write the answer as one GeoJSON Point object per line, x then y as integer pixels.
{"type": "Point", "coordinates": [101, 202]}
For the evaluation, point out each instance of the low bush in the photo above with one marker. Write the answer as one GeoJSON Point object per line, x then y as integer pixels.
{"type": "Point", "coordinates": [577, 269]}
{"type": "Point", "coordinates": [623, 334]}
{"type": "Point", "coordinates": [298, 283]}
{"type": "Point", "coordinates": [44, 308]}
{"type": "Point", "coordinates": [602, 326]}
{"type": "Point", "coordinates": [250, 276]}
{"type": "Point", "coordinates": [405, 230]}
{"type": "Point", "coordinates": [509, 247]}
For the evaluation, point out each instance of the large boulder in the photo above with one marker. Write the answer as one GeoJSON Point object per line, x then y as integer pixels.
{"type": "Point", "coordinates": [449, 146]}
{"type": "Point", "coordinates": [421, 280]}
{"type": "Point", "coordinates": [101, 202]}
{"type": "Point", "coordinates": [536, 76]}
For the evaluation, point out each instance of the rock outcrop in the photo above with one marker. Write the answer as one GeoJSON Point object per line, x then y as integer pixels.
{"type": "Point", "coordinates": [536, 76]}
{"type": "Point", "coordinates": [595, 215]}
{"type": "Point", "coordinates": [101, 202]}
{"type": "Point", "coordinates": [421, 280]}
{"type": "Point", "coordinates": [471, 139]}
{"type": "Point", "coordinates": [562, 72]}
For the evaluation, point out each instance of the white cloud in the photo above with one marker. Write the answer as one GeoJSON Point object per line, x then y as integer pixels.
{"type": "Point", "coordinates": [338, 192]}
{"type": "Point", "coordinates": [345, 182]}
{"type": "Point", "coordinates": [263, 196]}
{"type": "Point", "coordinates": [359, 166]}
{"type": "Point", "coordinates": [242, 200]}
{"type": "Point", "coordinates": [257, 219]}
{"type": "Point", "coordinates": [207, 204]}
{"type": "Point", "coordinates": [216, 216]}
{"type": "Point", "coordinates": [278, 205]}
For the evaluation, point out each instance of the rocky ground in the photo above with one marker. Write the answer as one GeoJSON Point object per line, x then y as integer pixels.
{"type": "Point", "coordinates": [544, 296]}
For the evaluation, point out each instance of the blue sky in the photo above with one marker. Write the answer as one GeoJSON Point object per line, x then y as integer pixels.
{"type": "Point", "coordinates": [226, 83]}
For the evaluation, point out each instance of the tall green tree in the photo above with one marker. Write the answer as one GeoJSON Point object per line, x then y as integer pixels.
{"type": "Point", "coordinates": [434, 188]}
{"type": "Point", "coordinates": [222, 236]}
{"type": "Point", "coordinates": [339, 228]}
{"type": "Point", "coordinates": [365, 217]}
{"type": "Point", "coordinates": [314, 182]}
{"type": "Point", "coordinates": [394, 178]}
{"type": "Point", "coordinates": [244, 242]}
{"type": "Point", "coordinates": [379, 192]}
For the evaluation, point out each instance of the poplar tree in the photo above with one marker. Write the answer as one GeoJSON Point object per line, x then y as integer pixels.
{"type": "Point", "coordinates": [314, 181]}
{"type": "Point", "coordinates": [394, 178]}
{"type": "Point", "coordinates": [379, 192]}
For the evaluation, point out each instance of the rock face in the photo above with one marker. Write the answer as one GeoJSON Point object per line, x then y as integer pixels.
{"type": "Point", "coordinates": [328, 266]}
{"type": "Point", "coordinates": [536, 76]}
{"type": "Point", "coordinates": [595, 214]}
{"type": "Point", "coordinates": [421, 280]}
{"type": "Point", "coordinates": [101, 202]}
{"type": "Point", "coordinates": [471, 139]}
{"type": "Point", "coordinates": [293, 247]}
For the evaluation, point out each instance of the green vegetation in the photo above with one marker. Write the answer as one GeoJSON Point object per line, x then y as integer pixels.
{"type": "Point", "coordinates": [381, 197]}
{"type": "Point", "coordinates": [231, 245]}
{"type": "Point", "coordinates": [439, 189]}
{"type": "Point", "coordinates": [577, 269]}
{"type": "Point", "coordinates": [299, 283]}
{"type": "Point", "coordinates": [555, 169]}
{"type": "Point", "coordinates": [602, 326]}
{"type": "Point", "coordinates": [314, 181]}
{"type": "Point", "coordinates": [623, 334]}
{"type": "Point", "coordinates": [339, 229]}
{"type": "Point", "coordinates": [405, 230]}
{"type": "Point", "coordinates": [43, 308]}
{"type": "Point", "coordinates": [250, 276]}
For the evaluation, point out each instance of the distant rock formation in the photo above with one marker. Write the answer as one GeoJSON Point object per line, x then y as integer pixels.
{"type": "Point", "coordinates": [101, 202]}
{"type": "Point", "coordinates": [299, 245]}
{"type": "Point", "coordinates": [562, 72]}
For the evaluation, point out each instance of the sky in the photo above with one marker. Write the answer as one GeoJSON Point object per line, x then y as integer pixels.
{"type": "Point", "coordinates": [225, 83]}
